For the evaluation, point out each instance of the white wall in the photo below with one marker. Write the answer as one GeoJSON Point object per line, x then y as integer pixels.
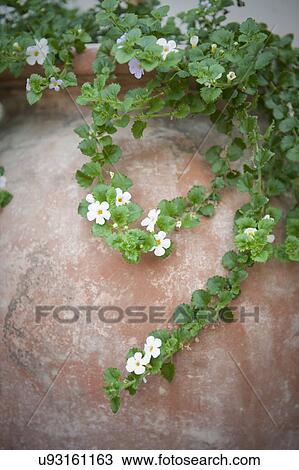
{"type": "Point", "coordinates": [281, 15]}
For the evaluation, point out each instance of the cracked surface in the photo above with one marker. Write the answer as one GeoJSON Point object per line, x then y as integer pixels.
{"type": "Point", "coordinates": [49, 258]}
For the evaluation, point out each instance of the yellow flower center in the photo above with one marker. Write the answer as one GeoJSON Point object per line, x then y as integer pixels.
{"type": "Point", "coordinates": [100, 212]}
{"type": "Point", "coordinates": [166, 49]}
{"type": "Point", "coordinates": [158, 242]}
{"type": "Point", "coordinates": [137, 364]}
{"type": "Point", "coordinates": [120, 199]}
{"type": "Point", "coordinates": [151, 348]}
{"type": "Point", "coordinates": [36, 53]}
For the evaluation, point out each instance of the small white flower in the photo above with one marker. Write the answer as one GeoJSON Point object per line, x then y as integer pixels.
{"type": "Point", "coordinates": [99, 212]}
{"type": "Point", "coordinates": [250, 231]}
{"type": "Point", "coordinates": [231, 76]}
{"type": "Point", "coordinates": [270, 238]}
{"type": "Point", "coordinates": [205, 3]}
{"type": "Point", "coordinates": [111, 174]}
{"type": "Point", "coordinates": [115, 225]}
{"type": "Point", "coordinates": [162, 243]}
{"type": "Point", "coordinates": [122, 197]}
{"type": "Point", "coordinates": [28, 87]}
{"type": "Point", "coordinates": [267, 217]}
{"type": "Point", "coordinates": [37, 53]}
{"type": "Point", "coordinates": [178, 224]}
{"type": "Point", "coordinates": [150, 221]}
{"type": "Point", "coordinates": [168, 46]}
{"type": "Point", "coordinates": [120, 41]}
{"type": "Point", "coordinates": [136, 363]}
{"type": "Point", "coordinates": [2, 182]}
{"type": "Point", "coordinates": [291, 110]}
{"type": "Point", "coordinates": [135, 68]}
{"type": "Point", "coordinates": [152, 346]}
{"type": "Point", "coordinates": [22, 2]}
{"type": "Point", "coordinates": [55, 84]}
{"type": "Point", "coordinates": [89, 198]}
{"type": "Point", "coordinates": [194, 41]}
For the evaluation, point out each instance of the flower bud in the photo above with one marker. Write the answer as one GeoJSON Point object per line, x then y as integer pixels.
{"type": "Point", "coordinates": [214, 48]}
{"type": "Point", "coordinates": [194, 41]}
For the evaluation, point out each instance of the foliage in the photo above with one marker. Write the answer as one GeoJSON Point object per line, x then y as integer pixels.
{"type": "Point", "coordinates": [244, 77]}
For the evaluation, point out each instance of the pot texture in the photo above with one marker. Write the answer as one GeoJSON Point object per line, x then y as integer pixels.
{"type": "Point", "coordinates": [236, 388]}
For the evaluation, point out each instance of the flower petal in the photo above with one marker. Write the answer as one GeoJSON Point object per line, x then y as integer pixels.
{"type": "Point", "coordinates": [159, 251]}
{"type": "Point", "coordinates": [166, 243]}
{"type": "Point", "coordinates": [139, 370]}
{"type": "Point", "coordinates": [162, 42]}
{"type": "Point", "coordinates": [130, 366]}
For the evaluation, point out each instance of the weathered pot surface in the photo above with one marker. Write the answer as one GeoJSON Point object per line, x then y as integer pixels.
{"type": "Point", "coordinates": [236, 388]}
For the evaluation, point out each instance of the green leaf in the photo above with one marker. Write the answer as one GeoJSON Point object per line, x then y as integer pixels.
{"type": "Point", "coordinates": [209, 95]}
{"type": "Point", "coordinates": [166, 223]}
{"type": "Point", "coordinates": [213, 154]}
{"type": "Point", "coordinates": [207, 210]}
{"type": "Point", "coordinates": [88, 147]}
{"type": "Point", "coordinates": [115, 404]}
{"type": "Point", "coordinates": [134, 212]}
{"type": "Point", "coordinates": [112, 153]}
{"type": "Point", "coordinates": [200, 299]}
{"type": "Point", "coordinates": [121, 181]}
{"type": "Point", "coordinates": [245, 182]}
{"type": "Point", "coordinates": [236, 149]}
{"type": "Point", "coordinates": [216, 284]}
{"type": "Point", "coordinates": [88, 173]}
{"type": "Point", "coordinates": [230, 260]}
{"type": "Point", "coordinates": [109, 5]}
{"type": "Point", "coordinates": [101, 230]}
{"type": "Point", "coordinates": [189, 221]}
{"type": "Point", "coordinates": [33, 97]}
{"type": "Point", "coordinates": [293, 154]}
{"type": "Point", "coordinates": [83, 208]}
{"type": "Point", "coordinates": [197, 194]}
{"type": "Point", "coordinates": [168, 371]}
{"type": "Point", "coordinates": [5, 198]}
{"type": "Point", "coordinates": [183, 314]}
{"type": "Point", "coordinates": [138, 128]}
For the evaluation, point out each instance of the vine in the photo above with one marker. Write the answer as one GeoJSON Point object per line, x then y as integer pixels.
{"type": "Point", "coordinates": [244, 77]}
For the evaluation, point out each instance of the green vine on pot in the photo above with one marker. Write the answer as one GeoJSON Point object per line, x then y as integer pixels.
{"type": "Point", "coordinates": [244, 77]}
{"type": "Point", "coordinates": [5, 196]}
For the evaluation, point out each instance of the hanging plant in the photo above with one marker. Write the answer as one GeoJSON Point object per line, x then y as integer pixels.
{"type": "Point", "coordinates": [244, 77]}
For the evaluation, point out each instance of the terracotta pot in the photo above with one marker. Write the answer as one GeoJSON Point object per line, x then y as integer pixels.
{"type": "Point", "coordinates": [236, 388]}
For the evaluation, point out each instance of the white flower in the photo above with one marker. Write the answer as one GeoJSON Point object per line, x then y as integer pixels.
{"type": "Point", "coordinates": [22, 2]}
{"type": "Point", "coordinates": [250, 231]}
{"type": "Point", "coordinates": [290, 108]}
{"type": "Point", "coordinates": [37, 53]}
{"type": "Point", "coordinates": [152, 346]}
{"type": "Point", "coordinates": [55, 84]}
{"type": "Point", "coordinates": [135, 68]}
{"type": "Point", "coordinates": [205, 3]}
{"type": "Point", "coordinates": [194, 41]}
{"type": "Point", "coordinates": [2, 182]}
{"type": "Point", "coordinates": [89, 198]}
{"type": "Point", "coordinates": [161, 243]}
{"type": "Point", "coordinates": [270, 238]}
{"type": "Point", "coordinates": [136, 363]}
{"type": "Point", "coordinates": [178, 224]}
{"type": "Point", "coordinates": [231, 76]}
{"type": "Point", "coordinates": [28, 87]}
{"type": "Point", "coordinates": [150, 221]}
{"type": "Point", "coordinates": [168, 46]}
{"type": "Point", "coordinates": [122, 197]}
{"type": "Point", "coordinates": [267, 217]}
{"type": "Point", "coordinates": [111, 174]}
{"type": "Point", "coordinates": [120, 41]}
{"type": "Point", "coordinates": [99, 212]}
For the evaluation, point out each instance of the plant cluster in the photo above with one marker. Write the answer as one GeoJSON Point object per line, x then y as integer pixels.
{"type": "Point", "coordinates": [244, 77]}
